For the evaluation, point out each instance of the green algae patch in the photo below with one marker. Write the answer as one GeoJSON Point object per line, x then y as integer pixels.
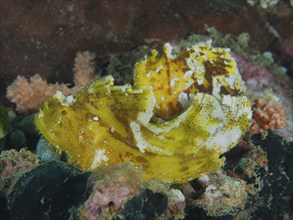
{"type": "Point", "coordinates": [108, 124]}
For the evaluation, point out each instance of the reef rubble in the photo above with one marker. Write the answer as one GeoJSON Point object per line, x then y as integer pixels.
{"type": "Point", "coordinates": [256, 175]}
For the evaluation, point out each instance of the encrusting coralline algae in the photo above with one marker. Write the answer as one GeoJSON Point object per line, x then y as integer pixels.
{"type": "Point", "coordinates": [198, 94]}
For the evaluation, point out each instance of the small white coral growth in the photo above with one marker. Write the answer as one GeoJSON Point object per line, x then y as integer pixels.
{"type": "Point", "coordinates": [30, 94]}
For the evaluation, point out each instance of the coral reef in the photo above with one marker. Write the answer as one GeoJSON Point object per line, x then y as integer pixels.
{"type": "Point", "coordinates": [13, 164]}
{"type": "Point", "coordinates": [176, 205]}
{"type": "Point", "coordinates": [233, 189]}
{"type": "Point", "coordinates": [110, 116]}
{"type": "Point", "coordinates": [56, 190]}
{"type": "Point", "coordinates": [251, 168]}
{"type": "Point", "coordinates": [267, 115]}
{"type": "Point", "coordinates": [265, 79]}
{"type": "Point", "coordinates": [30, 95]}
{"type": "Point", "coordinates": [111, 187]}
{"type": "Point", "coordinates": [222, 194]}
{"type": "Point", "coordinates": [253, 72]}
{"type": "Point", "coordinates": [66, 192]}
{"type": "Point", "coordinates": [247, 179]}
{"type": "Point", "coordinates": [12, 161]}
{"type": "Point", "coordinates": [188, 101]}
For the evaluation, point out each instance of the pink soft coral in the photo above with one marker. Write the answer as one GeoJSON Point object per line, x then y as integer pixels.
{"type": "Point", "coordinates": [267, 115]}
{"type": "Point", "coordinates": [84, 69]}
{"type": "Point", "coordinates": [29, 95]}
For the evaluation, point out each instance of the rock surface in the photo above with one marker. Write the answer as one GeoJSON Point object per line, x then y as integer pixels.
{"type": "Point", "coordinates": [44, 36]}
{"type": "Point", "coordinates": [47, 191]}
